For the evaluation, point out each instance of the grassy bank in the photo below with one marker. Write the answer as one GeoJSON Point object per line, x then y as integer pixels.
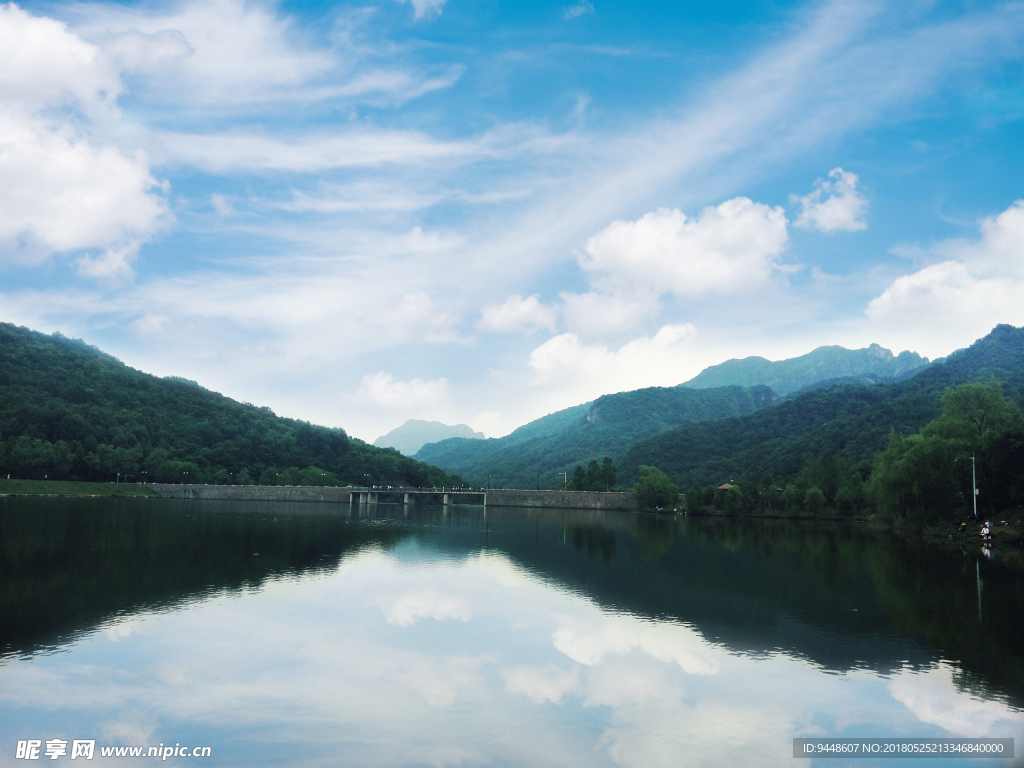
{"type": "Point", "coordinates": [71, 488]}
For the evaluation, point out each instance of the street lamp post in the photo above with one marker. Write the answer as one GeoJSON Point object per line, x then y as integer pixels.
{"type": "Point", "coordinates": [565, 480]}
{"type": "Point", "coordinates": [974, 487]}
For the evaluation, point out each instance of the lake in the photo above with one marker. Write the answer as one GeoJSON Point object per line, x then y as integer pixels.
{"type": "Point", "coordinates": [323, 635]}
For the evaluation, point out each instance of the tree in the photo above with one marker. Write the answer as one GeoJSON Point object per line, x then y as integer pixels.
{"type": "Point", "coordinates": [814, 499]}
{"type": "Point", "coordinates": [608, 473]}
{"type": "Point", "coordinates": [791, 496]}
{"type": "Point", "coordinates": [846, 501]}
{"type": "Point", "coordinates": [973, 412]}
{"type": "Point", "coordinates": [654, 490]}
{"type": "Point", "coordinates": [693, 499]}
{"type": "Point", "coordinates": [733, 500]}
{"type": "Point", "coordinates": [919, 478]}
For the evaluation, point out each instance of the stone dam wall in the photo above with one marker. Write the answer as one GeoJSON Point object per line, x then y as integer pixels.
{"type": "Point", "coordinates": [562, 500]}
{"type": "Point", "coordinates": [338, 495]}
{"type": "Point", "coordinates": [343, 495]}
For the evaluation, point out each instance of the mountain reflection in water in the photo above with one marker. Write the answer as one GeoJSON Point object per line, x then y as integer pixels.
{"type": "Point", "coordinates": [552, 637]}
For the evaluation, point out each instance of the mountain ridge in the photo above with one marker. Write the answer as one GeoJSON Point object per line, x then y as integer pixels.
{"type": "Point", "coordinates": [540, 451]}
{"type": "Point", "coordinates": [820, 364]}
{"type": "Point", "coordinates": [850, 421]}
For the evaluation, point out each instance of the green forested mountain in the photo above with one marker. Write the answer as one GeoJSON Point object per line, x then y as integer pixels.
{"type": "Point", "coordinates": [539, 452]}
{"type": "Point", "coordinates": [823, 364]}
{"type": "Point", "coordinates": [69, 411]}
{"type": "Point", "coordinates": [853, 422]}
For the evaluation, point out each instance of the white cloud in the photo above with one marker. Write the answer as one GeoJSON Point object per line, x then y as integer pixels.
{"type": "Point", "coordinates": [620, 682]}
{"type": "Point", "coordinates": [542, 684]}
{"type": "Point", "coordinates": [407, 609]}
{"type": "Point", "coordinates": [360, 196]}
{"type": "Point", "coordinates": [710, 733]}
{"type": "Point", "coordinates": [226, 54]}
{"type": "Point", "coordinates": [934, 698]}
{"type": "Point", "coordinates": [999, 252]}
{"type": "Point", "coordinates": [592, 370]}
{"type": "Point", "coordinates": [216, 51]}
{"type": "Point", "coordinates": [112, 266]}
{"type": "Point", "coordinates": [489, 422]}
{"type": "Point", "coordinates": [416, 317]}
{"type": "Point", "coordinates": [383, 390]}
{"type": "Point", "coordinates": [153, 54]}
{"type": "Point", "coordinates": [952, 303]}
{"type": "Point", "coordinates": [589, 642]}
{"type": "Point", "coordinates": [150, 324]}
{"type": "Point", "coordinates": [943, 306]}
{"type": "Point", "coordinates": [600, 315]}
{"type": "Point", "coordinates": [518, 314]}
{"type": "Point", "coordinates": [833, 206]}
{"type": "Point", "coordinates": [425, 9]}
{"type": "Point", "coordinates": [727, 249]}
{"type": "Point", "coordinates": [46, 66]}
{"type": "Point", "coordinates": [581, 8]}
{"type": "Point", "coordinates": [118, 630]}
{"type": "Point", "coordinates": [221, 205]}
{"type": "Point", "coordinates": [61, 188]}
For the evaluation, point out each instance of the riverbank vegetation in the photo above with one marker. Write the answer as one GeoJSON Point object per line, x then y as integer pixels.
{"type": "Point", "coordinates": [922, 479]}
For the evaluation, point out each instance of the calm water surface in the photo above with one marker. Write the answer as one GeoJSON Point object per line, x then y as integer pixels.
{"type": "Point", "coordinates": [309, 635]}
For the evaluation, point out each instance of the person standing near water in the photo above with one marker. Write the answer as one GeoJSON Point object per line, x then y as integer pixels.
{"type": "Point", "coordinates": [986, 532]}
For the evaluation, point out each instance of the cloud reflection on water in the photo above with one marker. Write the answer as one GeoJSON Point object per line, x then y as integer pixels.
{"type": "Point", "coordinates": [406, 657]}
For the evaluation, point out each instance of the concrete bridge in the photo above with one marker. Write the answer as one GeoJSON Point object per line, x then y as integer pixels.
{"type": "Point", "coordinates": [443, 496]}
{"type": "Point", "coordinates": [356, 495]}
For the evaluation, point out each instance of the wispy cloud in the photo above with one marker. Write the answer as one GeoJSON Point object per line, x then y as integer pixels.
{"type": "Point", "coordinates": [581, 8]}
{"type": "Point", "coordinates": [425, 9]}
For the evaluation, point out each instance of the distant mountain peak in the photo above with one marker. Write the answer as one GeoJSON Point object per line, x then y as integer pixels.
{"type": "Point", "coordinates": [828, 363]}
{"type": "Point", "coordinates": [415, 433]}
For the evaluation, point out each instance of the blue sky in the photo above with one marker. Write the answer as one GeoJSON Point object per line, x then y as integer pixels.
{"type": "Point", "coordinates": [482, 212]}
